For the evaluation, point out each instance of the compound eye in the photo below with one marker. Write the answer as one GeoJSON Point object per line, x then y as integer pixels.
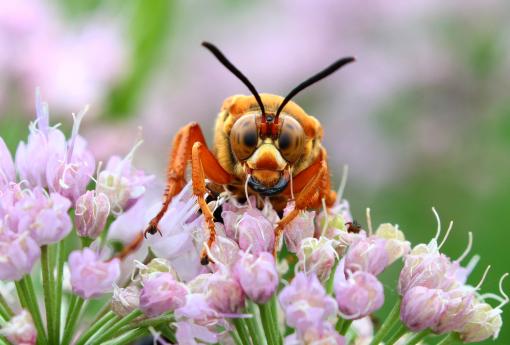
{"type": "Point", "coordinates": [244, 137]}
{"type": "Point", "coordinates": [291, 140]}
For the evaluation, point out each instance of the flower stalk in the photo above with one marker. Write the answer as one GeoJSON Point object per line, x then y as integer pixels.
{"type": "Point", "coordinates": [391, 320]}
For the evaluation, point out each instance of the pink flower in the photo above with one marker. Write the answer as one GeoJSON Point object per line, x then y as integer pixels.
{"type": "Point", "coordinates": [125, 300]}
{"type": "Point", "coordinates": [122, 182]}
{"type": "Point", "coordinates": [7, 171]}
{"type": "Point", "coordinates": [43, 143]}
{"type": "Point", "coordinates": [301, 227]}
{"type": "Point", "coordinates": [187, 334]}
{"type": "Point", "coordinates": [225, 252]}
{"type": "Point", "coordinates": [422, 307]}
{"type": "Point", "coordinates": [258, 276]}
{"type": "Point", "coordinates": [483, 322]}
{"type": "Point", "coordinates": [45, 217]}
{"type": "Point", "coordinates": [197, 309]}
{"type": "Point", "coordinates": [162, 293]}
{"type": "Point", "coordinates": [91, 277]}
{"type": "Point", "coordinates": [305, 303]}
{"type": "Point", "coordinates": [396, 244]}
{"type": "Point", "coordinates": [20, 329]}
{"type": "Point", "coordinates": [338, 215]}
{"type": "Point", "coordinates": [91, 212]}
{"type": "Point", "coordinates": [18, 254]}
{"type": "Point", "coordinates": [224, 294]}
{"type": "Point", "coordinates": [317, 256]}
{"type": "Point", "coordinates": [256, 233]}
{"type": "Point", "coordinates": [324, 334]}
{"type": "Point", "coordinates": [368, 255]}
{"type": "Point", "coordinates": [459, 304]}
{"type": "Point", "coordinates": [358, 295]}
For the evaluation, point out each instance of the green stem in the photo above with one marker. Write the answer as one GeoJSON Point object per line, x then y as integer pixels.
{"type": "Point", "coordinates": [389, 323]}
{"type": "Point", "coordinates": [237, 339]}
{"type": "Point", "coordinates": [47, 277]}
{"type": "Point", "coordinates": [397, 335]}
{"type": "Point", "coordinates": [61, 258]}
{"type": "Point", "coordinates": [417, 337]}
{"type": "Point", "coordinates": [107, 333]}
{"type": "Point", "coordinates": [241, 330]}
{"type": "Point", "coordinates": [255, 328]}
{"type": "Point", "coordinates": [4, 341]}
{"type": "Point", "coordinates": [345, 327]}
{"type": "Point", "coordinates": [128, 337]}
{"type": "Point", "coordinates": [29, 301]}
{"type": "Point", "coordinates": [95, 327]}
{"type": "Point", "coordinates": [5, 310]}
{"type": "Point", "coordinates": [274, 317]}
{"type": "Point", "coordinates": [331, 279]}
{"type": "Point", "coordinates": [268, 323]}
{"type": "Point", "coordinates": [339, 324]}
{"type": "Point", "coordinates": [450, 339]}
{"type": "Point", "coordinates": [152, 322]}
{"type": "Point", "coordinates": [73, 316]}
{"type": "Point", "coordinates": [168, 333]}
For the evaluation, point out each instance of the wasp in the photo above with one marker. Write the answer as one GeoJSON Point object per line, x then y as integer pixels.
{"type": "Point", "coordinates": [264, 144]}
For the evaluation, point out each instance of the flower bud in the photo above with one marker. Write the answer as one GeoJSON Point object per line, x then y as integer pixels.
{"type": "Point", "coordinates": [20, 329]}
{"type": "Point", "coordinates": [324, 334]}
{"type": "Point", "coordinates": [359, 295]}
{"type": "Point", "coordinates": [18, 254]}
{"type": "Point", "coordinates": [317, 256]}
{"type": "Point", "coordinates": [368, 255]}
{"type": "Point", "coordinates": [125, 300]}
{"type": "Point", "coordinates": [7, 171]}
{"type": "Point", "coordinates": [482, 323]}
{"type": "Point", "coordinates": [225, 252]}
{"type": "Point", "coordinates": [154, 267]}
{"type": "Point", "coordinates": [256, 233]}
{"type": "Point", "coordinates": [91, 277]}
{"type": "Point", "coordinates": [459, 303]}
{"type": "Point", "coordinates": [422, 308]}
{"type": "Point", "coordinates": [91, 212]}
{"type": "Point", "coordinates": [258, 276]}
{"type": "Point", "coordinates": [298, 229]}
{"type": "Point", "coordinates": [225, 294]}
{"type": "Point", "coordinates": [305, 302]}
{"type": "Point", "coordinates": [162, 293]}
{"type": "Point", "coordinates": [396, 244]}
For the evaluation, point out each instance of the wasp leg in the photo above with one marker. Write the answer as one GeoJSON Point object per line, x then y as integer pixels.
{"type": "Point", "coordinates": [180, 155]}
{"type": "Point", "coordinates": [204, 164]}
{"type": "Point", "coordinates": [309, 196]}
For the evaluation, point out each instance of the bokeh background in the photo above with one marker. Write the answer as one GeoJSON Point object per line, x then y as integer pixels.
{"type": "Point", "coordinates": [422, 119]}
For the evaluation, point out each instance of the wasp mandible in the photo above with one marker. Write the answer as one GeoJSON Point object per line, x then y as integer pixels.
{"type": "Point", "coordinates": [264, 144]}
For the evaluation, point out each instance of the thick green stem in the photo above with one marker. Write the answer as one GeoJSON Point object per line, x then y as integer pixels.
{"type": "Point", "coordinates": [5, 310]}
{"type": "Point", "coordinates": [417, 337]}
{"type": "Point", "coordinates": [331, 279]}
{"type": "Point", "coordinates": [274, 317]}
{"type": "Point", "coordinates": [389, 323]}
{"type": "Point", "coordinates": [268, 323]}
{"type": "Point", "coordinates": [450, 339]}
{"type": "Point", "coordinates": [254, 326]}
{"type": "Point", "coordinates": [397, 335]}
{"type": "Point", "coordinates": [48, 283]}
{"type": "Point", "coordinates": [241, 330]}
{"type": "Point", "coordinates": [128, 337]}
{"type": "Point", "coordinates": [345, 327]}
{"type": "Point", "coordinates": [28, 300]}
{"type": "Point", "coordinates": [236, 338]}
{"type": "Point", "coordinates": [95, 327]}
{"type": "Point", "coordinates": [61, 258]}
{"type": "Point", "coordinates": [73, 316]}
{"type": "Point", "coordinates": [152, 322]}
{"type": "Point", "coordinates": [109, 332]}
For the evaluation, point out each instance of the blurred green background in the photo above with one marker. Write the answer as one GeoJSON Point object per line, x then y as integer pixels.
{"type": "Point", "coordinates": [422, 118]}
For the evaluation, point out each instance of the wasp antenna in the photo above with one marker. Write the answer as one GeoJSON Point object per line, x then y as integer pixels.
{"type": "Point", "coordinates": [225, 62]}
{"type": "Point", "coordinates": [312, 80]}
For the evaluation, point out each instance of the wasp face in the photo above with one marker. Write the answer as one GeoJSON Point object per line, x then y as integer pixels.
{"type": "Point", "coordinates": [267, 149]}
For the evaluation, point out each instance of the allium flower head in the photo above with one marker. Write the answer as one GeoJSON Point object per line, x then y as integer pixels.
{"type": "Point", "coordinates": [324, 334]}
{"type": "Point", "coordinates": [20, 329]}
{"type": "Point", "coordinates": [317, 256]}
{"type": "Point", "coordinates": [91, 212]}
{"type": "Point", "coordinates": [337, 216]}
{"type": "Point", "coordinates": [305, 303]}
{"type": "Point", "coordinates": [368, 255]}
{"type": "Point", "coordinates": [483, 322]}
{"type": "Point", "coordinates": [7, 171]}
{"type": "Point", "coordinates": [396, 244]}
{"type": "Point", "coordinates": [90, 276]}
{"type": "Point", "coordinates": [301, 227]}
{"type": "Point", "coordinates": [255, 233]}
{"type": "Point", "coordinates": [422, 307]}
{"type": "Point", "coordinates": [258, 276]}
{"type": "Point", "coordinates": [224, 294]}
{"type": "Point", "coordinates": [125, 300]}
{"type": "Point", "coordinates": [459, 304]}
{"type": "Point", "coordinates": [162, 293]}
{"type": "Point", "coordinates": [358, 294]}
{"type": "Point", "coordinates": [18, 253]}
{"type": "Point", "coordinates": [122, 182]}
{"type": "Point", "coordinates": [225, 252]}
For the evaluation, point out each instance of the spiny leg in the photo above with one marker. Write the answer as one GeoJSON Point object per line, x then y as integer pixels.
{"type": "Point", "coordinates": [306, 198]}
{"type": "Point", "coordinates": [203, 163]}
{"type": "Point", "coordinates": [180, 154]}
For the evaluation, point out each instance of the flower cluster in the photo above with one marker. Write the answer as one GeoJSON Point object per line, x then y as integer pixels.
{"type": "Point", "coordinates": [321, 288]}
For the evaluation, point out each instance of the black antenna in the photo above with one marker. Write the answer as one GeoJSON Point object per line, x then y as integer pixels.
{"type": "Point", "coordinates": [312, 80]}
{"type": "Point", "coordinates": [219, 55]}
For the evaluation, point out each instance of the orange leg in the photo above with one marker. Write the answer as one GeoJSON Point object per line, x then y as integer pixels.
{"type": "Point", "coordinates": [180, 154]}
{"type": "Point", "coordinates": [309, 196]}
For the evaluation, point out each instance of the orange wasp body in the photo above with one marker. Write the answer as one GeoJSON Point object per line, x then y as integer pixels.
{"type": "Point", "coordinates": [264, 145]}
